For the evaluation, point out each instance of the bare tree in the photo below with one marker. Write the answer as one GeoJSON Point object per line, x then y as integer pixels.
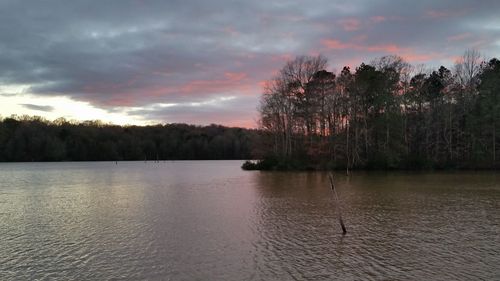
{"type": "Point", "coordinates": [468, 67]}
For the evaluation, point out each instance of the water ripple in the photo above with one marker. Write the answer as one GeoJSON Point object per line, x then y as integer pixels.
{"type": "Point", "coordinates": [94, 221]}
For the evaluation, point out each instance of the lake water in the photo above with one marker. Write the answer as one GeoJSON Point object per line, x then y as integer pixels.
{"type": "Point", "coordinates": [209, 220]}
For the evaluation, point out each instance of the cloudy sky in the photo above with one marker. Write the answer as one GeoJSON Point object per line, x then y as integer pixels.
{"type": "Point", "coordinates": [202, 62]}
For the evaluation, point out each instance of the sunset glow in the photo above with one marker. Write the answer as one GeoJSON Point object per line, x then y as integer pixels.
{"type": "Point", "coordinates": [208, 65]}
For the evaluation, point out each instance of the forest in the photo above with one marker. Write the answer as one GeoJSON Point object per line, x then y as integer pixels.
{"type": "Point", "coordinates": [387, 114]}
{"type": "Point", "coordinates": [32, 138]}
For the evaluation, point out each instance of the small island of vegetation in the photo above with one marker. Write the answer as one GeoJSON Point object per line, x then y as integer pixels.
{"type": "Point", "coordinates": [386, 114]}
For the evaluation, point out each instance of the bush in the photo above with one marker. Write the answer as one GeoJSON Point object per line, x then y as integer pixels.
{"type": "Point", "coordinates": [249, 165]}
{"type": "Point", "coordinates": [266, 164]}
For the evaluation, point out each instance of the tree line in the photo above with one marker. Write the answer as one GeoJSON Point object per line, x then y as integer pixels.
{"type": "Point", "coordinates": [32, 138]}
{"type": "Point", "coordinates": [386, 114]}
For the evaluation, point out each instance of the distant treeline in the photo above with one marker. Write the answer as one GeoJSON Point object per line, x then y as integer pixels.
{"type": "Point", "coordinates": [386, 114]}
{"type": "Point", "coordinates": [36, 139]}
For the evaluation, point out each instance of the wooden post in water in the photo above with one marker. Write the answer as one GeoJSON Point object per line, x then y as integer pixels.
{"type": "Point", "coordinates": [337, 204]}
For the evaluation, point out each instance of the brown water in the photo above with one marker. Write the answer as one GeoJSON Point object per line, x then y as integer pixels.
{"type": "Point", "coordinates": [209, 220]}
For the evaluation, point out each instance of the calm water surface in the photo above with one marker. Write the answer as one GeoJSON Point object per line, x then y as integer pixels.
{"type": "Point", "coordinates": [209, 220]}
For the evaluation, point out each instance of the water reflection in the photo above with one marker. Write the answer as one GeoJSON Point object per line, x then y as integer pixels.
{"type": "Point", "coordinates": [402, 225]}
{"type": "Point", "coordinates": [210, 220]}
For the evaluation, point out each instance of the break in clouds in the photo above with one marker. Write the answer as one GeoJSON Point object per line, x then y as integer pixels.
{"type": "Point", "coordinates": [204, 61]}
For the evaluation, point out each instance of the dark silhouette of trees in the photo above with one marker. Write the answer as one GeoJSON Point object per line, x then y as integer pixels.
{"type": "Point", "coordinates": [385, 115]}
{"type": "Point", "coordinates": [28, 138]}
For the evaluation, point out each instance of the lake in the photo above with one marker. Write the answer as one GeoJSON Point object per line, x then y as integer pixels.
{"type": "Point", "coordinates": [210, 220]}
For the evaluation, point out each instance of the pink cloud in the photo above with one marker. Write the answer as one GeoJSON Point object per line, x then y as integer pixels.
{"type": "Point", "coordinates": [335, 44]}
{"type": "Point", "coordinates": [235, 76]}
{"type": "Point", "coordinates": [435, 14]}
{"type": "Point", "coordinates": [242, 123]}
{"type": "Point", "coordinates": [229, 30]}
{"type": "Point", "coordinates": [339, 45]}
{"type": "Point", "coordinates": [350, 24]}
{"type": "Point", "coordinates": [454, 58]}
{"type": "Point", "coordinates": [122, 101]}
{"type": "Point", "coordinates": [407, 53]}
{"type": "Point", "coordinates": [359, 38]}
{"type": "Point", "coordinates": [459, 37]}
{"type": "Point", "coordinates": [378, 19]}
{"type": "Point", "coordinates": [125, 95]}
{"type": "Point", "coordinates": [280, 58]}
{"type": "Point", "coordinates": [263, 83]}
{"type": "Point", "coordinates": [387, 48]}
{"type": "Point", "coordinates": [231, 81]}
{"type": "Point", "coordinates": [353, 24]}
{"type": "Point", "coordinates": [232, 117]}
{"type": "Point", "coordinates": [352, 63]}
{"type": "Point", "coordinates": [410, 56]}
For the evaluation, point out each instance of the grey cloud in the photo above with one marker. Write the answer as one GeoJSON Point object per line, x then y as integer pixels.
{"type": "Point", "coordinates": [235, 111]}
{"type": "Point", "coordinates": [8, 94]}
{"type": "Point", "coordinates": [136, 53]}
{"type": "Point", "coordinates": [45, 108]}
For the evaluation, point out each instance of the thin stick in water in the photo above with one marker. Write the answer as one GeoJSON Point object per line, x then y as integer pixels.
{"type": "Point", "coordinates": [337, 204]}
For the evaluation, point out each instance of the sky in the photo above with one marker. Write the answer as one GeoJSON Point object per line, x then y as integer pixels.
{"type": "Point", "coordinates": [201, 62]}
